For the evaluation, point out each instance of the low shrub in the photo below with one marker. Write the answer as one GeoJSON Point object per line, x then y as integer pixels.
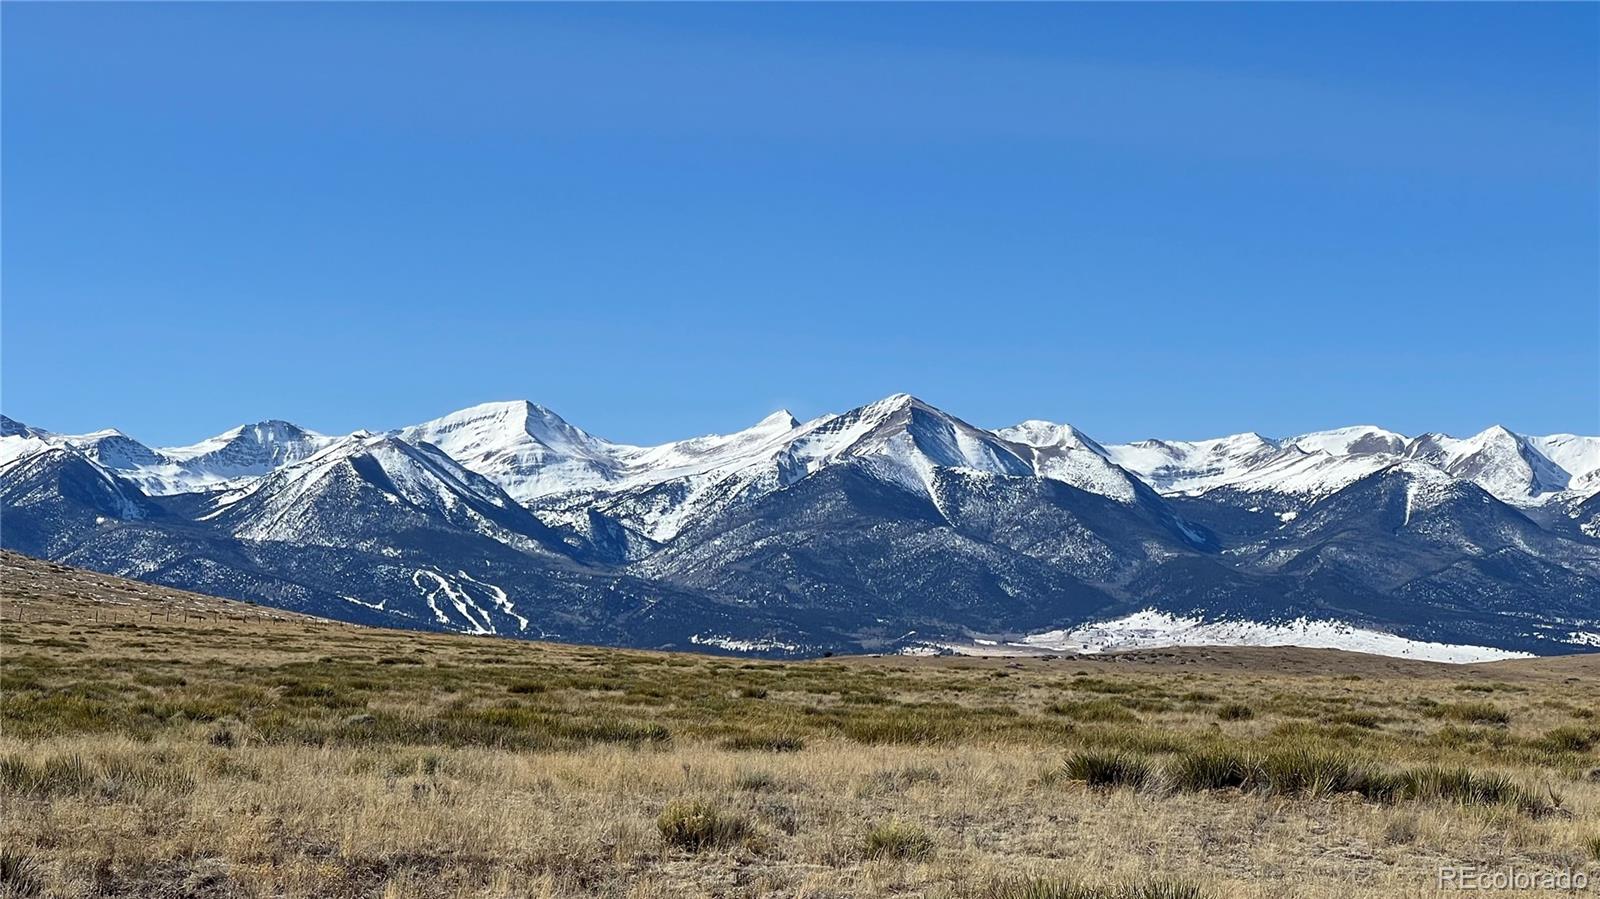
{"type": "Point", "coordinates": [1235, 711]}
{"type": "Point", "coordinates": [697, 826]}
{"type": "Point", "coordinates": [898, 840]}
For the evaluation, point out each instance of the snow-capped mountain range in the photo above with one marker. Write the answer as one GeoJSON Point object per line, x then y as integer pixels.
{"type": "Point", "coordinates": [893, 525]}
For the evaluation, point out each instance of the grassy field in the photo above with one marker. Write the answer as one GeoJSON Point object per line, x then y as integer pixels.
{"type": "Point", "coordinates": [154, 744]}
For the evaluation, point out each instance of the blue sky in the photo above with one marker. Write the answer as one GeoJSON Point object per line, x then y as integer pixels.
{"type": "Point", "coordinates": [665, 220]}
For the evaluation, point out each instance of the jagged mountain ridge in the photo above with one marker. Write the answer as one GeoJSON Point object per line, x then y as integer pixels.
{"type": "Point", "coordinates": [1518, 469]}
{"type": "Point", "coordinates": [889, 525]}
{"type": "Point", "coordinates": [228, 459]}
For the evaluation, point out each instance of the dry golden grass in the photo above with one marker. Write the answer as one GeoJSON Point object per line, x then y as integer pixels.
{"type": "Point", "coordinates": [220, 753]}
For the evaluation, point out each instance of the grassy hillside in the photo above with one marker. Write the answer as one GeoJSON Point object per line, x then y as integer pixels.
{"type": "Point", "coordinates": [158, 744]}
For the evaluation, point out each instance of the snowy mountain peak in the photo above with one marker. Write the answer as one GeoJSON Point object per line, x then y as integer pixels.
{"type": "Point", "coordinates": [66, 471]}
{"type": "Point", "coordinates": [250, 449]}
{"type": "Point", "coordinates": [1497, 432]}
{"type": "Point", "coordinates": [781, 420]}
{"type": "Point", "coordinates": [272, 430]}
{"type": "Point", "coordinates": [1037, 432]}
{"type": "Point", "coordinates": [1353, 440]}
{"type": "Point", "coordinates": [114, 450]}
{"type": "Point", "coordinates": [527, 449]}
{"type": "Point", "coordinates": [374, 492]}
{"type": "Point", "coordinates": [1063, 453]}
{"type": "Point", "coordinates": [908, 437]}
{"type": "Point", "coordinates": [1503, 463]}
{"type": "Point", "coordinates": [512, 421]}
{"type": "Point", "coordinates": [893, 403]}
{"type": "Point", "coordinates": [1249, 441]}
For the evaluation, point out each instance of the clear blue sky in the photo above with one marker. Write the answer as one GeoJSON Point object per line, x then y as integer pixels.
{"type": "Point", "coordinates": [666, 220]}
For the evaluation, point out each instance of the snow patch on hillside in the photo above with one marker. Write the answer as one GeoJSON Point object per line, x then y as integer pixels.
{"type": "Point", "coordinates": [1150, 629]}
{"type": "Point", "coordinates": [735, 644]}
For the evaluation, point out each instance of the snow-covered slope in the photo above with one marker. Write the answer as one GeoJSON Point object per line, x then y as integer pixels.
{"type": "Point", "coordinates": [248, 451]}
{"type": "Point", "coordinates": [540, 459]}
{"type": "Point", "coordinates": [1355, 440]}
{"type": "Point", "coordinates": [1505, 464]}
{"type": "Point", "coordinates": [226, 460]}
{"type": "Point", "coordinates": [899, 439]}
{"type": "Point", "coordinates": [902, 439]}
{"type": "Point", "coordinates": [1517, 469]}
{"type": "Point", "coordinates": [1306, 467]}
{"type": "Point", "coordinates": [63, 471]}
{"type": "Point", "coordinates": [1578, 456]}
{"type": "Point", "coordinates": [1151, 628]}
{"type": "Point", "coordinates": [109, 448]}
{"type": "Point", "coordinates": [1193, 467]}
{"type": "Point", "coordinates": [1063, 453]}
{"type": "Point", "coordinates": [364, 490]}
{"type": "Point", "coordinates": [525, 448]}
{"type": "Point", "coordinates": [18, 440]}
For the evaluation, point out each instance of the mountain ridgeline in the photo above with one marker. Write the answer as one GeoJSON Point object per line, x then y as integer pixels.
{"type": "Point", "coordinates": [892, 527]}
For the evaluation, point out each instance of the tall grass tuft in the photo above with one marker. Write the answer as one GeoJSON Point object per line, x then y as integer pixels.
{"type": "Point", "coordinates": [20, 877]}
{"type": "Point", "coordinates": [898, 840]}
{"type": "Point", "coordinates": [1466, 787]}
{"type": "Point", "coordinates": [1213, 768]}
{"type": "Point", "coordinates": [1106, 769]}
{"type": "Point", "coordinates": [697, 826]}
{"type": "Point", "coordinates": [1308, 773]}
{"type": "Point", "coordinates": [1569, 739]}
{"type": "Point", "coordinates": [112, 777]}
